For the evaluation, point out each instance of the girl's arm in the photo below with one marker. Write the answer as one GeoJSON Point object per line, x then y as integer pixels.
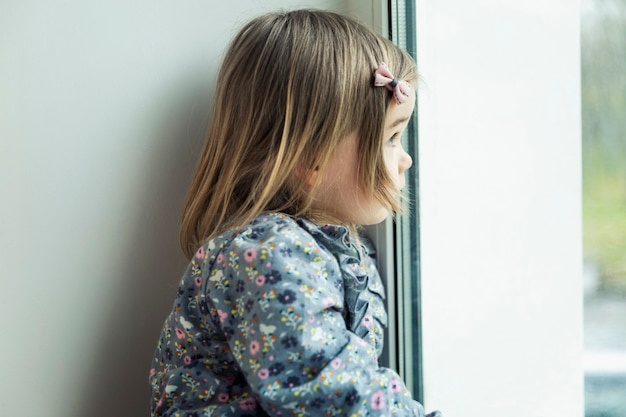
{"type": "Point", "coordinates": [279, 297]}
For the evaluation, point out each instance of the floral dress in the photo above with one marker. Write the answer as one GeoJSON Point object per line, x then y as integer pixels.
{"type": "Point", "coordinates": [279, 318]}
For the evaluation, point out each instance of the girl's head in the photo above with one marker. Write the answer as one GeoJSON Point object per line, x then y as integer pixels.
{"type": "Point", "coordinates": [293, 90]}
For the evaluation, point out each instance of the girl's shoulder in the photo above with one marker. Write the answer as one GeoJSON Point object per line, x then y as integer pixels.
{"type": "Point", "coordinates": [274, 236]}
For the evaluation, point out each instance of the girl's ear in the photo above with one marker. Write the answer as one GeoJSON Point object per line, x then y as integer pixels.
{"type": "Point", "coordinates": [308, 176]}
{"type": "Point", "coordinates": [312, 177]}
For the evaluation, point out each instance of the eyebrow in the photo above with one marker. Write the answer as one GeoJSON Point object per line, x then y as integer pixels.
{"type": "Point", "coordinates": [398, 121]}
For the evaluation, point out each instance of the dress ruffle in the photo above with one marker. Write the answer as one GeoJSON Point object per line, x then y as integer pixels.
{"type": "Point", "coordinates": [364, 293]}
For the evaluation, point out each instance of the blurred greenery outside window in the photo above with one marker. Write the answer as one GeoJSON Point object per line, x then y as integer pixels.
{"type": "Point", "coordinates": [603, 44]}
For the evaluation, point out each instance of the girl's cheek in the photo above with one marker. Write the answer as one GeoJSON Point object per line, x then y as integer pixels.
{"type": "Point", "coordinates": [387, 155]}
{"type": "Point", "coordinates": [390, 160]}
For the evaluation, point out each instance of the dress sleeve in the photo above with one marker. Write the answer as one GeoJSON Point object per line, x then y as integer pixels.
{"type": "Point", "coordinates": [279, 299]}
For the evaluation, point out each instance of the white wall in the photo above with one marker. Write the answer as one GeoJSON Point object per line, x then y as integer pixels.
{"type": "Point", "coordinates": [499, 131]}
{"type": "Point", "coordinates": [102, 110]}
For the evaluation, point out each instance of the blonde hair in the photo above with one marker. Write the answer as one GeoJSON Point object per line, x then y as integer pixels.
{"type": "Point", "coordinates": [292, 85]}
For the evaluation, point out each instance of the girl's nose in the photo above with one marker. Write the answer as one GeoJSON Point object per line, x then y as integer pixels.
{"type": "Point", "coordinates": [405, 161]}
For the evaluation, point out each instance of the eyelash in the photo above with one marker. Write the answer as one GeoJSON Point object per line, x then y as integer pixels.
{"type": "Point", "coordinates": [392, 141]}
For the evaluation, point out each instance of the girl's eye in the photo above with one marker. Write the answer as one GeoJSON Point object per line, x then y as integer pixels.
{"type": "Point", "coordinates": [393, 141]}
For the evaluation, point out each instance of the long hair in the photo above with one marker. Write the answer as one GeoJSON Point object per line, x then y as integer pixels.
{"type": "Point", "coordinates": [292, 85]}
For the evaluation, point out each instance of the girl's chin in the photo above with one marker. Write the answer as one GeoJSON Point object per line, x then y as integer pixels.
{"type": "Point", "coordinates": [374, 218]}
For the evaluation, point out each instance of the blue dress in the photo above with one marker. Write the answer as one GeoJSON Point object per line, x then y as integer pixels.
{"type": "Point", "coordinates": [281, 317]}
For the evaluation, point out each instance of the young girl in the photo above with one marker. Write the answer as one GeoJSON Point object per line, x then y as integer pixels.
{"type": "Point", "coordinates": [280, 312]}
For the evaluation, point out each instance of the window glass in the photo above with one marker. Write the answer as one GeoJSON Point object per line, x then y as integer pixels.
{"type": "Point", "coordinates": [603, 59]}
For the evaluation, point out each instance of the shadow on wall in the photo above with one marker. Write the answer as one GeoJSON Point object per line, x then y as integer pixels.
{"type": "Point", "coordinates": [118, 379]}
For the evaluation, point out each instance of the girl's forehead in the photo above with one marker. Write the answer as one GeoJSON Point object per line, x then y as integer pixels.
{"type": "Point", "coordinates": [400, 114]}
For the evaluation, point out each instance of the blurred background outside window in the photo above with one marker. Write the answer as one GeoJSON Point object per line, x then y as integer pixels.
{"type": "Point", "coordinates": [603, 59]}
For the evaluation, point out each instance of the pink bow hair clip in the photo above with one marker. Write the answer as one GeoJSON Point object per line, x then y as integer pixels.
{"type": "Point", "coordinates": [384, 78]}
